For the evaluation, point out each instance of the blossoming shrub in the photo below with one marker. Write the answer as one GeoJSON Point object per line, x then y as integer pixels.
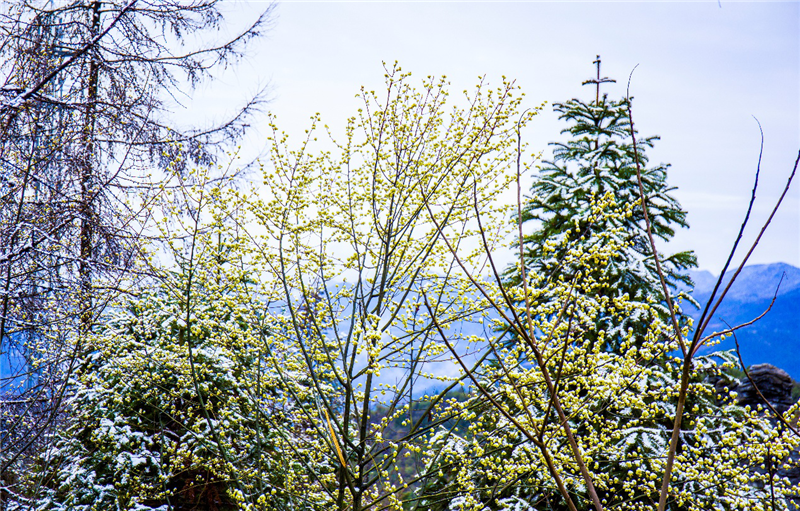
{"type": "Point", "coordinates": [618, 406]}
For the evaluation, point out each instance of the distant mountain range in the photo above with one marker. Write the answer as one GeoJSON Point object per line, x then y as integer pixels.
{"type": "Point", "coordinates": [775, 338]}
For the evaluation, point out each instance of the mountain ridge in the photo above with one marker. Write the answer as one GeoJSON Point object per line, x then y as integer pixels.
{"type": "Point", "coordinates": [773, 339]}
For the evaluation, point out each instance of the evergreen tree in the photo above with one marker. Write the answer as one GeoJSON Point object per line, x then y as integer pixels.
{"type": "Point", "coordinates": [137, 436]}
{"type": "Point", "coordinates": [594, 171]}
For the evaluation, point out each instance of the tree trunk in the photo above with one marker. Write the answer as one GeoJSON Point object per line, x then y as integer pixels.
{"type": "Point", "coordinates": [87, 178]}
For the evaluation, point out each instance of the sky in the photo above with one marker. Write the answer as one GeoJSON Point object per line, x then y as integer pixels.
{"type": "Point", "coordinates": [705, 70]}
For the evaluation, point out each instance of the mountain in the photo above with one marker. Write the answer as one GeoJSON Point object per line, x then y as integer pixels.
{"type": "Point", "coordinates": [775, 338]}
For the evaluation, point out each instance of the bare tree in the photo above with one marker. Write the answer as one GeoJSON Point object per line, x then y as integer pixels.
{"type": "Point", "coordinates": [85, 113]}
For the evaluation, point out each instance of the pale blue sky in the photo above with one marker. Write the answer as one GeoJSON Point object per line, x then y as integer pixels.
{"type": "Point", "coordinates": [704, 71]}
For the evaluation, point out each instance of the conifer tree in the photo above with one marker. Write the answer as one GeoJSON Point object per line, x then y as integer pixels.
{"type": "Point", "coordinates": [173, 410]}
{"type": "Point", "coordinates": [597, 165]}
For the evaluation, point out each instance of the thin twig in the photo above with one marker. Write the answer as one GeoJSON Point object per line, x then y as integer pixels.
{"type": "Point", "coordinates": [694, 347]}
{"type": "Point", "coordinates": [643, 199]}
{"type": "Point", "coordinates": [778, 415]}
{"type": "Point", "coordinates": [730, 329]}
{"type": "Point", "coordinates": [702, 323]}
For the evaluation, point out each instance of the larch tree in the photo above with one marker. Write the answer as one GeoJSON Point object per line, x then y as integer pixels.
{"type": "Point", "coordinates": [86, 129]}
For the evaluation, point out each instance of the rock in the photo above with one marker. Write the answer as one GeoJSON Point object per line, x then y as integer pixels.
{"type": "Point", "coordinates": [773, 383]}
{"type": "Point", "coordinates": [776, 386]}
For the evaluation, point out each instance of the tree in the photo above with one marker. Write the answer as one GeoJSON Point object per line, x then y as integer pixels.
{"type": "Point", "coordinates": [85, 113]}
{"type": "Point", "coordinates": [355, 255]}
{"type": "Point", "coordinates": [563, 424]}
{"type": "Point", "coordinates": [517, 453]}
{"type": "Point", "coordinates": [597, 165]}
{"type": "Point", "coordinates": [92, 131]}
{"type": "Point", "coordinates": [556, 421]}
{"type": "Point", "coordinates": [136, 436]}
{"type": "Point", "coordinates": [177, 407]}
{"type": "Point", "coordinates": [340, 252]}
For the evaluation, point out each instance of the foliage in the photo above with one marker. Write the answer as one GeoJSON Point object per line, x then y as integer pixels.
{"type": "Point", "coordinates": [349, 244]}
{"type": "Point", "coordinates": [619, 407]}
{"type": "Point", "coordinates": [597, 161]}
{"type": "Point", "coordinates": [138, 435]}
{"type": "Point", "coordinates": [178, 406]}
{"type": "Point", "coordinates": [302, 343]}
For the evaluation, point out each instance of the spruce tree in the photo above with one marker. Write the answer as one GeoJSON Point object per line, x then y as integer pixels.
{"type": "Point", "coordinates": [139, 434]}
{"type": "Point", "coordinates": [596, 169]}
